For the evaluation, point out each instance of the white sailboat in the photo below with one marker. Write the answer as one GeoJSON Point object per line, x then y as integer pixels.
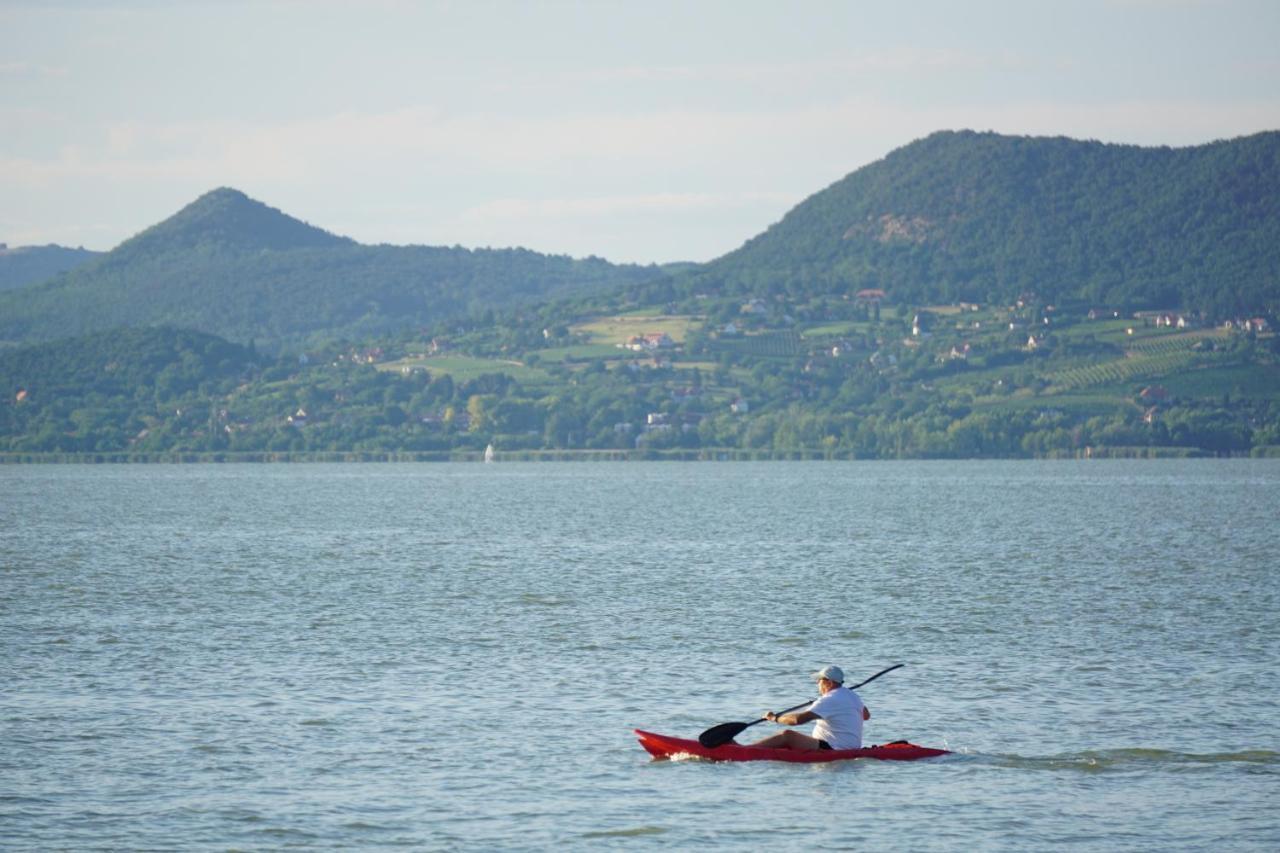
{"type": "Point", "coordinates": [488, 453]}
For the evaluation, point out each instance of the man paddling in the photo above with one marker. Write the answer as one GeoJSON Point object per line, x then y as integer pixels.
{"type": "Point", "coordinates": [839, 713]}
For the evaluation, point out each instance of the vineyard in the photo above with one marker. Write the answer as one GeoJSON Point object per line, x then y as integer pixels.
{"type": "Point", "coordinates": [1174, 343]}
{"type": "Point", "coordinates": [1148, 358]}
{"type": "Point", "coordinates": [1135, 368]}
{"type": "Point", "coordinates": [766, 345]}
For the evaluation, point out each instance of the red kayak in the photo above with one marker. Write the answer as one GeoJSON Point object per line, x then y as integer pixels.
{"type": "Point", "coordinates": [664, 746]}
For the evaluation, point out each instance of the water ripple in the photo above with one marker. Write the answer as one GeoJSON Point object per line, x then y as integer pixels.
{"type": "Point", "coordinates": [450, 656]}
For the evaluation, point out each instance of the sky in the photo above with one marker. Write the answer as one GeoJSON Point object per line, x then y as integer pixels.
{"type": "Point", "coordinates": [643, 131]}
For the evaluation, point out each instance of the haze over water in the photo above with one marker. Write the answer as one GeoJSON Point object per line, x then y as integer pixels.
{"type": "Point", "coordinates": [451, 655]}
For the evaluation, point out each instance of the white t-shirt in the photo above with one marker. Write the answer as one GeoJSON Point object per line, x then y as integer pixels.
{"type": "Point", "coordinates": [841, 723]}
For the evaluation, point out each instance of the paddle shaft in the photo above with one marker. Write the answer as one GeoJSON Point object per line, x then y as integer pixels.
{"type": "Point", "coordinates": [811, 701]}
{"type": "Point", "coordinates": [726, 732]}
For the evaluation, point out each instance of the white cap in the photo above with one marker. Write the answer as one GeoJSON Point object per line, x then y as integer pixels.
{"type": "Point", "coordinates": [830, 673]}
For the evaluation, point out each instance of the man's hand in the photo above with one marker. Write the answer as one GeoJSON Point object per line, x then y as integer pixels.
{"type": "Point", "coordinates": [790, 719]}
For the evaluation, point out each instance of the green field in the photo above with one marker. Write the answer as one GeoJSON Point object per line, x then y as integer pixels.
{"type": "Point", "coordinates": [1108, 331]}
{"type": "Point", "coordinates": [619, 328]}
{"type": "Point", "coordinates": [464, 367]}
{"type": "Point", "coordinates": [975, 376]}
{"type": "Point", "coordinates": [1165, 342]}
{"type": "Point", "coordinates": [1256, 381]}
{"type": "Point", "coordinates": [1070, 403]}
{"type": "Point", "coordinates": [1116, 331]}
{"type": "Point", "coordinates": [581, 351]}
{"type": "Point", "coordinates": [836, 330]}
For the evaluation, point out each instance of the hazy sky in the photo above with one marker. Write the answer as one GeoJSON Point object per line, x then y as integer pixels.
{"type": "Point", "coordinates": [637, 131]}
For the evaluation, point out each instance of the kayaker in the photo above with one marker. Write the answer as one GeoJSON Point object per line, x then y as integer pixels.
{"type": "Point", "coordinates": [839, 712]}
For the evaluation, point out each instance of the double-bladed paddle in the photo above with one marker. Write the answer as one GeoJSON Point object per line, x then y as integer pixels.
{"type": "Point", "coordinates": [725, 732]}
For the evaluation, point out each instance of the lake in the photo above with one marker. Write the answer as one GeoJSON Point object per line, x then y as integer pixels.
{"type": "Point", "coordinates": [448, 656]}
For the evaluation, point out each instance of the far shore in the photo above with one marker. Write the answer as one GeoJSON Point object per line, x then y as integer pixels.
{"type": "Point", "coordinates": [700, 455]}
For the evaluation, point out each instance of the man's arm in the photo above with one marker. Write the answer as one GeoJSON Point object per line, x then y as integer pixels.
{"type": "Point", "coordinates": [805, 717]}
{"type": "Point", "coordinates": [792, 719]}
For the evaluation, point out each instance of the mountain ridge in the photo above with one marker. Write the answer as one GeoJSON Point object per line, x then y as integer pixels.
{"type": "Point", "coordinates": [227, 219]}
{"type": "Point", "coordinates": [954, 216]}
{"type": "Point", "coordinates": [229, 265]}
{"type": "Point", "coordinates": [963, 215]}
{"type": "Point", "coordinates": [21, 266]}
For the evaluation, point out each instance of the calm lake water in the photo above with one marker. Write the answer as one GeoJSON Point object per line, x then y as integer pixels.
{"type": "Point", "coordinates": [450, 656]}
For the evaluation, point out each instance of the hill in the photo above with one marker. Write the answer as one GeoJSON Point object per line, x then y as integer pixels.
{"type": "Point", "coordinates": [24, 265]}
{"type": "Point", "coordinates": [987, 218]}
{"type": "Point", "coordinates": [651, 384]}
{"type": "Point", "coordinates": [232, 266]}
{"type": "Point", "coordinates": [760, 354]}
{"type": "Point", "coordinates": [226, 220]}
{"type": "Point", "coordinates": [103, 390]}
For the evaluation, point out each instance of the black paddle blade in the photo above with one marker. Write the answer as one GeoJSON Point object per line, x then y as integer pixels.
{"type": "Point", "coordinates": [721, 734]}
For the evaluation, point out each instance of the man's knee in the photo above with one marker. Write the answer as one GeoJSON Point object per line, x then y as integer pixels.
{"type": "Point", "coordinates": [799, 740]}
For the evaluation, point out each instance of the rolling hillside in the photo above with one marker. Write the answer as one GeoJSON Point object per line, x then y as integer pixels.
{"type": "Point", "coordinates": [231, 266]}
{"type": "Point", "coordinates": [955, 216]}
{"type": "Point", "coordinates": [24, 265]}
{"type": "Point", "coordinates": [987, 218]}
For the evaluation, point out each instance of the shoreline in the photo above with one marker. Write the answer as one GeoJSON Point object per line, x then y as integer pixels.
{"type": "Point", "coordinates": [701, 455]}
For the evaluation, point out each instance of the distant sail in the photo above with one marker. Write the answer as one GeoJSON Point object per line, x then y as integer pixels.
{"type": "Point", "coordinates": [488, 453]}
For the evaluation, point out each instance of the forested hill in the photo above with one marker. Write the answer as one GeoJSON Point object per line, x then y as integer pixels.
{"type": "Point", "coordinates": [231, 266]}
{"type": "Point", "coordinates": [986, 218]}
{"type": "Point", "coordinates": [957, 216]}
{"type": "Point", "coordinates": [24, 265]}
{"type": "Point", "coordinates": [226, 220]}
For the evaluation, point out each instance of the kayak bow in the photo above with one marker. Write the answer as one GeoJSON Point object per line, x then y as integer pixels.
{"type": "Point", "coordinates": [665, 746]}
